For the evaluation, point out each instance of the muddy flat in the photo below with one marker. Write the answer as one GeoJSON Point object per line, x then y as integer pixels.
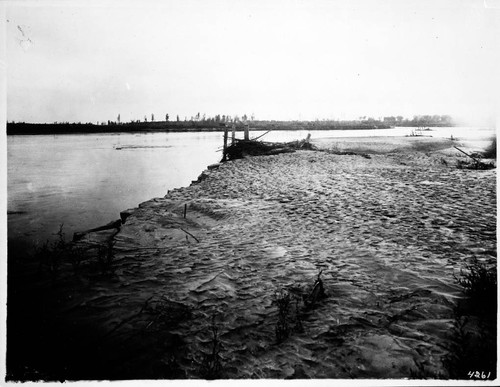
{"type": "Point", "coordinates": [387, 228]}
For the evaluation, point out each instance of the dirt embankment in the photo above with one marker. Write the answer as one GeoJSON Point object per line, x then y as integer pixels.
{"type": "Point", "coordinates": [388, 234]}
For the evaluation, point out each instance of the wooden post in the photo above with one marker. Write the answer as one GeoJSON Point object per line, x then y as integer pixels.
{"type": "Point", "coordinates": [185, 210]}
{"type": "Point", "coordinates": [224, 154]}
{"type": "Point", "coordinates": [247, 134]}
{"type": "Point", "coordinates": [233, 136]}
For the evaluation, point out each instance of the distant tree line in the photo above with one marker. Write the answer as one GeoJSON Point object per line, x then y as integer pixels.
{"type": "Point", "coordinates": [425, 120]}
{"type": "Point", "coordinates": [202, 122]}
{"type": "Point", "coordinates": [418, 120]}
{"type": "Point", "coordinates": [197, 118]}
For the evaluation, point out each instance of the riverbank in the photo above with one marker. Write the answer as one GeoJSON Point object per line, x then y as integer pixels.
{"type": "Point", "coordinates": [387, 228]}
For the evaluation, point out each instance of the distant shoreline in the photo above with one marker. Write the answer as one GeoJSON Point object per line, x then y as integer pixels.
{"type": "Point", "coordinates": [192, 126]}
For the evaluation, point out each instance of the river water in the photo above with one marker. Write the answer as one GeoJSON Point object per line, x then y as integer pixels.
{"type": "Point", "coordinates": [85, 180]}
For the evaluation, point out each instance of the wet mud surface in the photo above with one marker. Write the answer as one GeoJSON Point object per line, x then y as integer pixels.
{"type": "Point", "coordinates": [388, 234]}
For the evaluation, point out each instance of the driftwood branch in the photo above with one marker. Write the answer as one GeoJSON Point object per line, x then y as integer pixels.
{"type": "Point", "coordinates": [262, 135]}
{"type": "Point", "coordinates": [196, 239]}
{"type": "Point", "coordinates": [465, 153]}
{"type": "Point", "coordinates": [115, 224]}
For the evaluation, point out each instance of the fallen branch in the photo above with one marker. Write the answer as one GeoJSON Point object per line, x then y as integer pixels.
{"type": "Point", "coordinates": [190, 234]}
{"type": "Point", "coordinates": [465, 153]}
{"type": "Point", "coordinates": [262, 135]}
{"type": "Point", "coordinates": [115, 224]}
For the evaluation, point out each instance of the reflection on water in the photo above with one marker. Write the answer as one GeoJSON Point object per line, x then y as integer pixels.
{"type": "Point", "coordinates": [85, 180]}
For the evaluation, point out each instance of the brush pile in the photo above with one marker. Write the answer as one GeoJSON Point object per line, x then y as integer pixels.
{"type": "Point", "coordinates": [243, 148]}
{"type": "Point", "coordinates": [475, 161]}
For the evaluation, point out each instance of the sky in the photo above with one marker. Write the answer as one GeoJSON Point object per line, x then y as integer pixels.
{"type": "Point", "coordinates": [89, 61]}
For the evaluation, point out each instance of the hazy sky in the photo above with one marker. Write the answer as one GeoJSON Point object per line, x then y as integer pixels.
{"type": "Point", "coordinates": [90, 61]}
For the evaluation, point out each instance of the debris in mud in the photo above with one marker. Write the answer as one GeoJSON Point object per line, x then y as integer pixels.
{"type": "Point", "coordinates": [289, 322]}
{"type": "Point", "coordinates": [474, 162]}
{"type": "Point", "coordinates": [211, 366]}
{"type": "Point", "coordinates": [242, 148]}
{"type": "Point", "coordinates": [475, 331]}
{"type": "Point", "coordinates": [283, 329]}
{"type": "Point", "coordinates": [479, 284]}
{"type": "Point", "coordinates": [191, 235]}
{"type": "Point", "coordinates": [464, 164]}
{"type": "Point", "coordinates": [347, 153]}
{"type": "Point", "coordinates": [111, 225]}
{"type": "Point", "coordinates": [56, 256]}
{"type": "Point", "coordinates": [317, 292]}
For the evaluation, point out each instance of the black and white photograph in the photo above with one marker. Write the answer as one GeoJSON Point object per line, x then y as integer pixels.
{"type": "Point", "coordinates": [227, 190]}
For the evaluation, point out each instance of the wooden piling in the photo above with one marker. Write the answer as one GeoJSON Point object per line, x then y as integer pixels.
{"type": "Point", "coordinates": [233, 135]}
{"type": "Point", "coordinates": [224, 154]}
{"type": "Point", "coordinates": [185, 210]}
{"type": "Point", "coordinates": [247, 132]}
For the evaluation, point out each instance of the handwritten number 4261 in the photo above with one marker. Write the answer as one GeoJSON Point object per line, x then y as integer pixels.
{"type": "Point", "coordinates": [478, 375]}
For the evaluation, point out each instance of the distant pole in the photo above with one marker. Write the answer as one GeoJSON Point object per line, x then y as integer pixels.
{"type": "Point", "coordinates": [247, 134]}
{"type": "Point", "coordinates": [225, 143]}
{"type": "Point", "coordinates": [233, 137]}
